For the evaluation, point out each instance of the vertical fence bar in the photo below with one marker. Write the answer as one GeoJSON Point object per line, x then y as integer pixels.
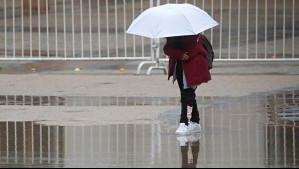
{"type": "Point", "coordinates": [99, 28]}
{"type": "Point", "coordinates": [212, 15]}
{"type": "Point", "coordinates": [49, 144]}
{"type": "Point", "coordinates": [116, 26]}
{"type": "Point", "coordinates": [56, 31]}
{"type": "Point", "coordinates": [134, 39]}
{"type": "Point", "coordinates": [275, 145]}
{"type": "Point", "coordinates": [39, 34]}
{"type": "Point", "coordinates": [30, 27]}
{"type": "Point", "coordinates": [142, 39]}
{"type": "Point", "coordinates": [222, 133]}
{"type": "Point", "coordinates": [293, 30]}
{"type": "Point", "coordinates": [125, 27]}
{"type": "Point", "coordinates": [40, 142]}
{"type": "Point", "coordinates": [47, 27]}
{"type": "Point", "coordinates": [64, 30]}
{"type": "Point", "coordinates": [5, 30]}
{"type": "Point", "coordinates": [81, 22]}
{"type": "Point", "coordinates": [16, 141]}
{"type": "Point", "coordinates": [229, 28]}
{"type": "Point", "coordinates": [247, 29]}
{"type": "Point", "coordinates": [284, 146]}
{"type": "Point", "coordinates": [90, 28]}
{"type": "Point", "coordinates": [239, 24]}
{"type": "Point", "coordinates": [7, 142]}
{"type": "Point", "coordinates": [259, 135]}
{"type": "Point", "coordinates": [91, 144]}
{"type": "Point", "coordinates": [107, 25]}
{"type": "Point", "coordinates": [266, 29]}
{"type": "Point", "coordinates": [32, 142]}
{"type": "Point", "coordinates": [220, 36]}
{"type": "Point", "coordinates": [74, 140]}
{"type": "Point", "coordinates": [13, 30]}
{"type": "Point", "coordinates": [22, 28]}
{"type": "Point", "coordinates": [57, 143]}
{"type": "Point", "coordinates": [24, 141]}
{"type": "Point", "coordinates": [275, 4]}
{"type": "Point", "coordinates": [73, 29]}
{"type": "Point", "coordinates": [283, 29]}
{"type": "Point", "coordinates": [256, 28]}
{"type": "Point", "coordinates": [230, 137]}
{"type": "Point", "coordinates": [249, 152]}
{"type": "Point", "coordinates": [294, 141]}
{"type": "Point", "coordinates": [266, 145]}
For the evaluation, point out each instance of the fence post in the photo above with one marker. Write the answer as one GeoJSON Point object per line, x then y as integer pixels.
{"type": "Point", "coordinates": [155, 52]}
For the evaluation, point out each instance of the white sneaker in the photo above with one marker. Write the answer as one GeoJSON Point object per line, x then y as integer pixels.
{"type": "Point", "coordinates": [183, 140]}
{"type": "Point", "coordinates": [194, 127]}
{"type": "Point", "coordinates": [182, 129]}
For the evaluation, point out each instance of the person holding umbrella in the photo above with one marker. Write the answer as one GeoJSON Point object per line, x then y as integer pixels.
{"type": "Point", "coordinates": [188, 67]}
{"type": "Point", "coordinates": [181, 25]}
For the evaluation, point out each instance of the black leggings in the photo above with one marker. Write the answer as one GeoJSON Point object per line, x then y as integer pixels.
{"type": "Point", "coordinates": [188, 97]}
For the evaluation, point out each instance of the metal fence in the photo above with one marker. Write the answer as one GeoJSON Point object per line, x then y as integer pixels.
{"type": "Point", "coordinates": [95, 29]}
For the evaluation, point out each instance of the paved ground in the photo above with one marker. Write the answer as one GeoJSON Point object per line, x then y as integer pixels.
{"type": "Point", "coordinates": [104, 79]}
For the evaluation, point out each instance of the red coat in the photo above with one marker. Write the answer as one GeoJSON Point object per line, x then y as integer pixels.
{"type": "Point", "coordinates": [195, 68]}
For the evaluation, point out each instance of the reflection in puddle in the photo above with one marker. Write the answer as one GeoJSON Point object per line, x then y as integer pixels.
{"type": "Point", "coordinates": [255, 131]}
{"type": "Point", "coordinates": [26, 144]}
{"type": "Point", "coordinates": [283, 107]}
{"type": "Point", "coordinates": [282, 149]}
{"type": "Point", "coordinates": [19, 100]}
{"type": "Point", "coordinates": [190, 146]}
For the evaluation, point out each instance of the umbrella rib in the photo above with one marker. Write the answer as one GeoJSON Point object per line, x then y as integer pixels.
{"type": "Point", "coordinates": [187, 20]}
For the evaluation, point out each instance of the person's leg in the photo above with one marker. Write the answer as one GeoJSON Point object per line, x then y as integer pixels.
{"type": "Point", "coordinates": [189, 101]}
{"type": "Point", "coordinates": [195, 113]}
{"type": "Point", "coordinates": [189, 97]}
{"type": "Point", "coordinates": [179, 76]}
{"type": "Point", "coordinates": [183, 126]}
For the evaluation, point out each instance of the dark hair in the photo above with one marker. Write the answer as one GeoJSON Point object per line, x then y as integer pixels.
{"type": "Point", "coordinates": [176, 41]}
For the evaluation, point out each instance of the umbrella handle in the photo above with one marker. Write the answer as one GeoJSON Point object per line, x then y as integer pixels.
{"type": "Point", "coordinates": [155, 50]}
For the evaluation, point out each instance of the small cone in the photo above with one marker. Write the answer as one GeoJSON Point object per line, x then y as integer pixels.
{"type": "Point", "coordinates": [122, 69]}
{"type": "Point", "coordinates": [33, 69]}
{"type": "Point", "coordinates": [77, 70]}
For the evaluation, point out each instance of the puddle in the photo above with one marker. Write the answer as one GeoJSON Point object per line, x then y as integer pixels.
{"type": "Point", "coordinates": [26, 144]}
{"type": "Point", "coordinates": [259, 130]}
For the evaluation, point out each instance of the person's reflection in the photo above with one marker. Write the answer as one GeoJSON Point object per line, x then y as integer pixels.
{"type": "Point", "coordinates": [189, 149]}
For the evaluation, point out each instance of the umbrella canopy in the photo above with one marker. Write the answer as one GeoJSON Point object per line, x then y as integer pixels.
{"type": "Point", "coordinates": [171, 20]}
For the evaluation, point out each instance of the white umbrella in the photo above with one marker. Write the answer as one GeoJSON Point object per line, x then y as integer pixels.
{"type": "Point", "coordinates": [171, 20]}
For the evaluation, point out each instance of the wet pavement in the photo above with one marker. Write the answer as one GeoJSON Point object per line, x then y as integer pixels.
{"type": "Point", "coordinates": [258, 130]}
{"type": "Point", "coordinates": [242, 129]}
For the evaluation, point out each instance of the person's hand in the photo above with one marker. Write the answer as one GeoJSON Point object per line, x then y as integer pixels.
{"type": "Point", "coordinates": [185, 56]}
